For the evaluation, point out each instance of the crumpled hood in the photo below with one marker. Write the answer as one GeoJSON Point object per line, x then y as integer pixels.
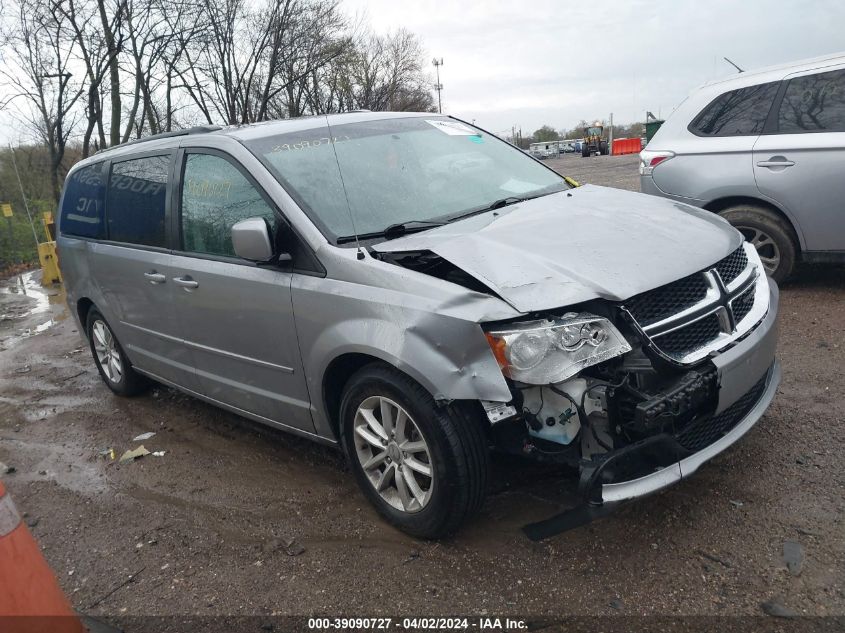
{"type": "Point", "coordinates": [586, 243]}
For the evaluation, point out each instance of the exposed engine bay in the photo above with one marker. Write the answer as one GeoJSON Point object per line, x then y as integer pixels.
{"type": "Point", "coordinates": [616, 420]}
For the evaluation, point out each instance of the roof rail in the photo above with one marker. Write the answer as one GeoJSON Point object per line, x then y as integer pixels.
{"type": "Point", "coordinates": [197, 129]}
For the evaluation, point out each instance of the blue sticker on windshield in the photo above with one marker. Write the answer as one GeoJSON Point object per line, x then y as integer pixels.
{"type": "Point", "coordinates": [476, 138]}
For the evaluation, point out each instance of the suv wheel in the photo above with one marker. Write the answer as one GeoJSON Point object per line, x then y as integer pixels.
{"type": "Point", "coordinates": [424, 467]}
{"type": "Point", "coordinates": [769, 234]}
{"type": "Point", "coordinates": [110, 359]}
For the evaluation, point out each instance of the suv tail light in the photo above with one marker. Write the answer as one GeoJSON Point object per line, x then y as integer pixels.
{"type": "Point", "coordinates": [650, 159]}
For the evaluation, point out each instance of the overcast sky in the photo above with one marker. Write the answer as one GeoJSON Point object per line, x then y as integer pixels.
{"type": "Point", "coordinates": [557, 62]}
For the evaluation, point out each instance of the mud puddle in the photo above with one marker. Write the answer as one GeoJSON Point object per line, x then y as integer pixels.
{"type": "Point", "coordinates": [27, 308]}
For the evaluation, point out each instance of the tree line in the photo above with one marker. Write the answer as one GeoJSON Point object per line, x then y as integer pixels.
{"type": "Point", "coordinates": [83, 75]}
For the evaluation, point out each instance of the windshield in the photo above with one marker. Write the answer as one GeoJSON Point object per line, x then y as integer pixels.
{"type": "Point", "coordinates": [406, 170]}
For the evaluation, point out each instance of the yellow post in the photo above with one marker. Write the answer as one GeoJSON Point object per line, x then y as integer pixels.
{"type": "Point", "coordinates": [50, 273]}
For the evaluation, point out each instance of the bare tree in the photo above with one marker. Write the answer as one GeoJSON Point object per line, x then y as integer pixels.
{"type": "Point", "coordinates": [256, 62]}
{"type": "Point", "coordinates": [387, 74]}
{"type": "Point", "coordinates": [149, 36]}
{"type": "Point", "coordinates": [105, 71]}
{"type": "Point", "coordinates": [84, 22]}
{"type": "Point", "coordinates": [38, 72]}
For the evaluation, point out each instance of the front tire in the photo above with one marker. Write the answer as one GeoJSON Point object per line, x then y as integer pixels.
{"type": "Point", "coordinates": [423, 466]}
{"type": "Point", "coordinates": [110, 359]}
{"type": "Point", "coordinates": [773, 238]}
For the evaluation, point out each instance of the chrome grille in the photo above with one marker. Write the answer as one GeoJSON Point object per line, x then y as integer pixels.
{"type": "Point", "coordinates": [687, 319]}
{"type": "Point", "coordinates": [651, 307]}
{"type": "Point", "coordinates": [731, 266]}
{"type": "Point", "coordinates": [742, 304]}
{"type": "Point", "coordinates": [683, 340]}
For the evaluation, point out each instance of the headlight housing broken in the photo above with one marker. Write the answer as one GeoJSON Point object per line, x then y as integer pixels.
{"type": "Point", "coordinates": [552, 350]}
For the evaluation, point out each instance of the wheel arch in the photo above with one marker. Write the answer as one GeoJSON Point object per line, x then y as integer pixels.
{"type": "Point", "coordinates": [83, 307]}
{"type": "Point", "coordinates": [337, 374]}
{"type": "Point", "coordinates": [720, 204]}
{"type": "Point", "coordinates": [340, 370]}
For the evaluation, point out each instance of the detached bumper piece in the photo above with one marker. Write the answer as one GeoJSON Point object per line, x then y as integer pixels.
{"type": "Point", "coordinates": [661, 460]}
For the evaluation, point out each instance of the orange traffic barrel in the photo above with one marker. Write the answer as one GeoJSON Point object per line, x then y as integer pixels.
{"type": "Point", "coordinates": [31, 600]}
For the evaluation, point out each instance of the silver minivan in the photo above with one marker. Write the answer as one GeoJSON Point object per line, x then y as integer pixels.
{"type": "Point", "coordinates": [419, 292]}
{"type": "Point", "coordinates": [765, 150]}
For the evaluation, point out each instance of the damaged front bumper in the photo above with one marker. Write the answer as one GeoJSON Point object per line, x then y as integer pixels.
{"type": "Point", "coordinates": [648, 484]}
{"type": "Point", "coordinates": [748, 376]}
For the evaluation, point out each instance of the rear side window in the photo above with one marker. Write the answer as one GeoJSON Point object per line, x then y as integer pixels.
{"type": "Point", "coordinates": [739, 112]}
{"type": "Point", "coordinates": [216, 196]}
{"type": "Point", "coordinates": [136, 200]}
{"type": "Point", "coordinates": [83, 203]}
{"type": "Point", "coordinates": [814, 103]}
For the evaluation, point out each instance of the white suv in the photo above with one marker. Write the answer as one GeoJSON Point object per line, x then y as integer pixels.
{"type": "Point", "coordinates": [766, 150]}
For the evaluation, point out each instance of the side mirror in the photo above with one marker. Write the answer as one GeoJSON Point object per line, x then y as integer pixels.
{"type": "Point", "coordinates": [251, 240]}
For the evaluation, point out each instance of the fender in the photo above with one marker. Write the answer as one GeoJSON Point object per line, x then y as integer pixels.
{"type": "Point", "coordinates": [446, 353]}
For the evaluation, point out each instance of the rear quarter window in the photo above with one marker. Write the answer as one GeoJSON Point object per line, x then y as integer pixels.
{"type": "Point", "coordinates": [740, 112]}
{"type": "Point", "coordinates": [813, 103]}
{"type": "Point", "coordinates": [83, 203]}
{"type": "Point", "coordinates": [137, 199]}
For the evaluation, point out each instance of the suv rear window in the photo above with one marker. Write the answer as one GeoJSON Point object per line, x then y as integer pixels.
{"type": "Point", "coordinates": [136, 200]}
{"type": "Point", "coordinates": [814, 103]}
{"type": "Point", "coordinates": [83, 203]}
{"type": "Point", "coordinates": [740, 112]}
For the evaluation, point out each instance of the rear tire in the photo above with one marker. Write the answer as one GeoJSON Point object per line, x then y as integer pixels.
{"type": "Point", "coordinates": [110, 359]}
{"type": "Point", "coordinates": [773, 238]}
{"type": "Point", "coordinates": [448, 441]}
{"type": "Point", "coordinates": [603, 148]}
{"type": "Point", "coordinates": [585, 152]}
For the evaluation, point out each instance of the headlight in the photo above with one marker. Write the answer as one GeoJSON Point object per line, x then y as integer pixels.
{"type": "Point", "coordinates": [549, 351]}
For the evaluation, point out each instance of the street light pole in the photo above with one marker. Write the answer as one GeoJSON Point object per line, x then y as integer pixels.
{"type": "Point", "coordinates": [438, 86]}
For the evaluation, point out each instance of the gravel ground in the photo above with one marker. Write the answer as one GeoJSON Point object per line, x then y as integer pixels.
{"type": "Point", "coordinates": [609, 171]}
{"type": "Point", "coordinates": [238, 519]}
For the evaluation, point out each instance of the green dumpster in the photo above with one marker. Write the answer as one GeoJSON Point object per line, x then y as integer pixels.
{"type": "Point", "coordinates": [651, 128]}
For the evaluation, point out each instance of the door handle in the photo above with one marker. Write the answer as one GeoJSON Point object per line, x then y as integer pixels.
{"type": "Point", "coordinates": [155, 278]}
{"type": "Point", "coordinates": [775, 161]}
{"type": "Point", "coordinates": [186, 282]}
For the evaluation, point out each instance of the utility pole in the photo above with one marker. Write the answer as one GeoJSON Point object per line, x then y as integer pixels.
{"type": "Point", "coordinates": [438, 86]}
{"type": "Point", "coordinates": [610, 135]}
{"type": "Point", "coordinates": [23, 197]}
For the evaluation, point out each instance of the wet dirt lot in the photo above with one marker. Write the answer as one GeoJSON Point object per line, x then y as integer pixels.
{"type": "Point", "coordinates": [235, 518]}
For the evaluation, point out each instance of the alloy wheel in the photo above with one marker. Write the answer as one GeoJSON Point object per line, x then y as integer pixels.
{"type": "Point", "coordinates": [394, 454]}
{"type": "Point", "coordinates": [766, 247]}
{"type": "Point", "coordinates": [105, 347]}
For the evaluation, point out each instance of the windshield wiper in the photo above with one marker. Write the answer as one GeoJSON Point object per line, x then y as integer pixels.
{"type": "Point", "coordinates": [393, 231]}
{"type": "Point", "coordinates": [401, 228]}
{"type": "Point", "coordinates": [498, 204]}
{"type": "Point", "coordinates": [502, 202]}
